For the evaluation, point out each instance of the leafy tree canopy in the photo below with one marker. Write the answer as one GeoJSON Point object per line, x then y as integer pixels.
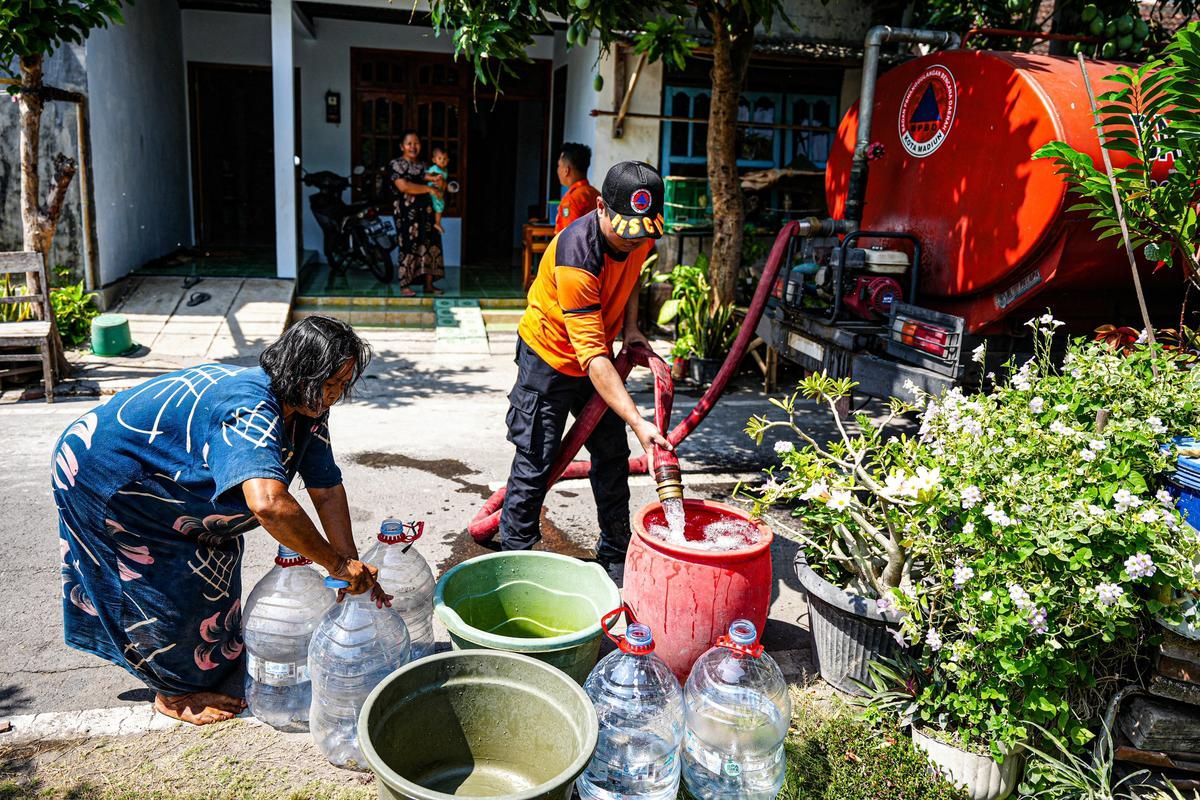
{"type": "Point", "coordinates": [31, 28]}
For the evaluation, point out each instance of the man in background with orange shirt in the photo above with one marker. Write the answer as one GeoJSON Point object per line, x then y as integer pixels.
{"type": "Point", "coordinates": [580, 199]}
{"type": "Point", "coordinates": [584, 296]}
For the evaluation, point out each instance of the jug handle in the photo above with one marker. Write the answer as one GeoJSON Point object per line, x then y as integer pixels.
{"type": "Point", "coordinates": [753, 650]}
{"type": "Point", "coordinates": [610, 619]}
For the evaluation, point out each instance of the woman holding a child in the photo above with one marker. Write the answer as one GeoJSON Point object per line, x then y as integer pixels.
{"type": "Point", "coordinates": [418, 231]}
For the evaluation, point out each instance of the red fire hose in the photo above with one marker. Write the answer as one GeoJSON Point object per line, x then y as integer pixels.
{"type": "Point", "coordinates": [487, 521]}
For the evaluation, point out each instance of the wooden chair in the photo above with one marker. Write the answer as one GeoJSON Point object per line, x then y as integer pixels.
{"type": "Point", "coordinates": [32, 337]}
{"type": "Point", "coordinates": [536, 238]}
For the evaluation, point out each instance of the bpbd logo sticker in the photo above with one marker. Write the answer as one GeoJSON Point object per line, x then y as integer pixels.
{"type": "Point", "coordinates": [927, 111]}
{"type": "Point", "coordinates": [640, 201]}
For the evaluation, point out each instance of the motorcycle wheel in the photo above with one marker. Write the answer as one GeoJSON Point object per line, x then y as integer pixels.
{"type": "Point", "coordinates": [379, 262]}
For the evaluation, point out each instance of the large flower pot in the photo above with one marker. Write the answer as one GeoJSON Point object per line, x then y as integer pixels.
{"type": "Point", "coordinates": [980, 776]}
{"type": "Point", "coordinates": [848, 631]}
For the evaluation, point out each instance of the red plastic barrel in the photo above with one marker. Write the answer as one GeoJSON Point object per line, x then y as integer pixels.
{"type": "Point", "coordinates": [687, 595]}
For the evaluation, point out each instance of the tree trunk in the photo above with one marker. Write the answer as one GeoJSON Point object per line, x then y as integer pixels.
{"type": "Point", "coordinates": [38, 225]}
{"type": "Point", "coordinates": [731, 57]}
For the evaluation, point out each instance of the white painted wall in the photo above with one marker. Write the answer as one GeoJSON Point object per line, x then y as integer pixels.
{"type": "Point", "coordinates": [324, 63]}
{"type": "Point", "coordinates": [641, 136]}
{"type": "Point", "coordinates": [841, 21]}
{"type": "Point", "coordinates": [136, 87]}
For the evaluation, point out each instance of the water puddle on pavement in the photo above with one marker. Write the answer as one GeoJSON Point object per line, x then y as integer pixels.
{"type": "Point", "coordinates": [554, 540]}
{"type": "Point", "coordinates": [450, 469]}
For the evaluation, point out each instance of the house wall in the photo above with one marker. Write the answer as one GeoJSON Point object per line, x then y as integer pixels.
{"type": "Point", "coordinates": [139, 138]}
{"type": "Point", "coordinates": [640, 139]}
{"type": "Point", "coordinates": [324, 64]}
{"type": "Point", "coordinates": [65, 69]}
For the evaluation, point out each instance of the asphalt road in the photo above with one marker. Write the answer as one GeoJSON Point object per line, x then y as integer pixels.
{"type": "Point", "coordinates": [424, 438]}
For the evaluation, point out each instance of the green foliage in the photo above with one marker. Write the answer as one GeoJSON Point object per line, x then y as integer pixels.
{"type": "Point", "coordinates": [1062, 774]}
{"type": "Point", "coordinates": [846, 759]}
{"type": "Point", "coordinates": [1151, 124]}
{"type": "Point", "coordinates": [703, 329]}
{"type": "Point", "coordinates": [1035, 543]}
{"type": "Point", "coordinates": [38, 27]}
{"type": "Point", "coordinates": [488, 32]}
{"type": "Point", "coordinates": [74, 310]}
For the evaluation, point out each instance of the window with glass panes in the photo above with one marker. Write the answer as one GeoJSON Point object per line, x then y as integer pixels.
{"type": "Point", "coordinates": [796, 130]}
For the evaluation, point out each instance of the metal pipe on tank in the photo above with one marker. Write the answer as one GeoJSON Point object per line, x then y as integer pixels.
{"type": "Point", "coordinates": [876, 38]}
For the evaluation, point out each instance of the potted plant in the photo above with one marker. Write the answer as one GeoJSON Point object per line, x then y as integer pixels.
{"type": "Point", "coordinates": [704, 331]}
{"type": "Point", "coordinates": [1056, 553]}
{"type": "Point", "coordinates": [861, 501]}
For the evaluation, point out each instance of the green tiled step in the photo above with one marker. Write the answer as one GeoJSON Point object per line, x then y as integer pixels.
{"type": "Point", "coordinates": [502, 319]}
{"type": "Point", "coordinates": [371, 315]}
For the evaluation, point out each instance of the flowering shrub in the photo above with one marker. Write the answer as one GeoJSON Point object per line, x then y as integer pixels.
{"type": "Point", "coordinates": [1043, 546]}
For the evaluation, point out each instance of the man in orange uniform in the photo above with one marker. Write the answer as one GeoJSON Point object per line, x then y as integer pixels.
{"type": "Point", "coordinates": [583, 297]}
{"type": "Point", "coordinates": [580, 198]}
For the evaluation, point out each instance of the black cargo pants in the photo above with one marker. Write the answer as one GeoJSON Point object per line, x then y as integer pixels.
{"type": "Point", "coordinates": [537, 419]}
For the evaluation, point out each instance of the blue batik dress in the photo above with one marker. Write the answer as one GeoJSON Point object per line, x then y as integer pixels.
{"type": "Point", "coordinates": [151, 515]}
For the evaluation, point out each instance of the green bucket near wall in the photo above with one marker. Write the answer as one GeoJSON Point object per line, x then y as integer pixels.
{"type": "Point", "coordinates": [474, 724]}
{"type": "Point", "coordinates": [110, 336]}
{"type": "Point", "coordinates": [543, 605]}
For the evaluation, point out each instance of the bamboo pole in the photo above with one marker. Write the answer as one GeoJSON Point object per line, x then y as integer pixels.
{"type": "Point", "coordinates": [1120, 207]}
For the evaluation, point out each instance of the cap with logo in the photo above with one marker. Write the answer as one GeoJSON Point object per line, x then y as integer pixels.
{"type": "Point", "coordinates": [633, 199]}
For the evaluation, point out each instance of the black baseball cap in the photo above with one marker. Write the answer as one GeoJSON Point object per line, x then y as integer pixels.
{"type": "Point", "coordinates": [633, 198]}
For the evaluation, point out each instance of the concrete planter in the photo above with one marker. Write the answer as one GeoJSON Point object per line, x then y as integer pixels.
{"type": "Point", "coordinates": [848, 632]}
{"type": "Point", "coordinates": [979, 776]}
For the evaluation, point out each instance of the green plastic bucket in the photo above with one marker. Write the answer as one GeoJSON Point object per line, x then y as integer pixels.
{"type": "Point", "coordinates": [544, 605]}
{"type": "Point", "coordinates": [110, 335]}
{"type": "Point", "coordinates": [476, 723]}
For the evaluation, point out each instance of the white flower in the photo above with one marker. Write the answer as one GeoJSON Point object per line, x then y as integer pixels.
{"type": "Point", "coordinates": [926, 480]}
{"type": "Point", "coordinates": [1019, 596]}
{"type": "Point", "coordinates": [933, 640]}
{"type": "Point", "coordinates": [1060, 429]}
{"type": "Point", "coordinates": [1021, 381]}
{"type": "Point", "coordinates": [885, 605]}
{"type": "Point", "coordinates": [900, 638]}
{"type": "Point", "coordinates": [970, 629]}
{"type": "Point", "coordinates": [977, 354]}
{"type": "Point", "coordinates": [1087, 455]}
{"type": "Point", "coordinates": [1095, 511]}
{"type": "Point", "coordinates": [971, 496]}
{"type": "Point", "coordinates": [1062, 408]}
{"type": "Point", "coordinates": [1097, 444]}
{"type": "Point", "coordinates": [1037, 621]}
{"type": "Point", "coordinates": [1149, 516]}
{"type": "Point", "coordinates": [1156, 425]}
{"type": "Point", "coordinates": [1048, 322]}
{"type": "Point", "coordinates": [987, 596]}
{"type": "Point", "coordinates": [1140, 566]}
{"type": "Point", "coordinates": [816, 491]}
{"type": "Point", "coordinates": [1143, 337]}
{"type": "Point", "coordinates": [911, 387]}
{"type": "Point", "coordinates": [962, 574]}
{"type": "Point", "coordinates": [1125, 500]}
{"type": "Point", "coordinates": [1109, 594]}
{"type": "Point", "coordinates": [1164, 497]}
{"type": "Point", "coordinates": [972, 427]}
{"type": "Point", "coordinates": [1037, 405]}
{"type": "Point", "coordinates": [969, 528]}
{"type": "Point", "coordinates": [896, 484]}
{"type": "Point", "coordinates": [784, 447]}
{"type": "Point", "coordinates": [839, 499]}
{"type": "Point", "coordinates": [1010, 441]}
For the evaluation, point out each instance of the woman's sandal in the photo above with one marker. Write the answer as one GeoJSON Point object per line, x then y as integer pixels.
{"type": "Point", "coordinates": [407, 292]}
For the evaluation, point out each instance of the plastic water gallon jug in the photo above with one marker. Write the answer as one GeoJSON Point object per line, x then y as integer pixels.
{"type": "Point", "coordinates": [282, 612]}
{"type": "Point", "coordinates": [639, 705]}
{"type": "Point", "coordinates": [404, 574]}
{"type": "Point", "coordinates": [737, 713]}
{"type": "Point", "coordinates": [355, 647]}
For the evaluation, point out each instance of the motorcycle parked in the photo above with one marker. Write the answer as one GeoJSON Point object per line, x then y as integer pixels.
{"type": "Point", "coordinates": [355, 235]}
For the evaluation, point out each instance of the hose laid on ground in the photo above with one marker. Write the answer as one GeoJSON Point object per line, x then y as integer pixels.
{"type": "Point", "coordinates": [487, 521]}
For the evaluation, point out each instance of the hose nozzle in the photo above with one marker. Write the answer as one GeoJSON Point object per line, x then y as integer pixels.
{"type": "Point", "coordinates": [669, 480]}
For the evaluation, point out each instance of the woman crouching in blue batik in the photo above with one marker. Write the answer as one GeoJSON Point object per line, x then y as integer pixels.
{"type": "Point", "coordinates": [155, 488]}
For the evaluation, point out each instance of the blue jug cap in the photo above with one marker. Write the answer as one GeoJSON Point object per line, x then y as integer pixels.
{"type": "Point", "coordinates": [639, 638]}
{"type": "Point", "coordinates": [336, 583]}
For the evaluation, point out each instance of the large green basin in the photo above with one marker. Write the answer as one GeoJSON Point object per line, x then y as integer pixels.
{"type": "Point", "coordinates": [544, 605]}
{"type": "Point", "coordinates": [476, 723]}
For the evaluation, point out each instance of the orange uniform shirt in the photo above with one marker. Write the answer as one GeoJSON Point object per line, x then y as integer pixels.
{"type": "Point", "coordinates": [576, 305]}
{"type": "Point", "coordinates": [576, 203]}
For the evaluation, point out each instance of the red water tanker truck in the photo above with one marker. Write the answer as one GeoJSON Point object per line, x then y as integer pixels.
{"type": "Point", "coordinates": [945, 231]}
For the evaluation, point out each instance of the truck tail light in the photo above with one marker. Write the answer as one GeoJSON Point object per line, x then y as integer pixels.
{"type": "Point", "coordinates": [923, 336]}
{"type": "Point", "coordinates": [926, 338]}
